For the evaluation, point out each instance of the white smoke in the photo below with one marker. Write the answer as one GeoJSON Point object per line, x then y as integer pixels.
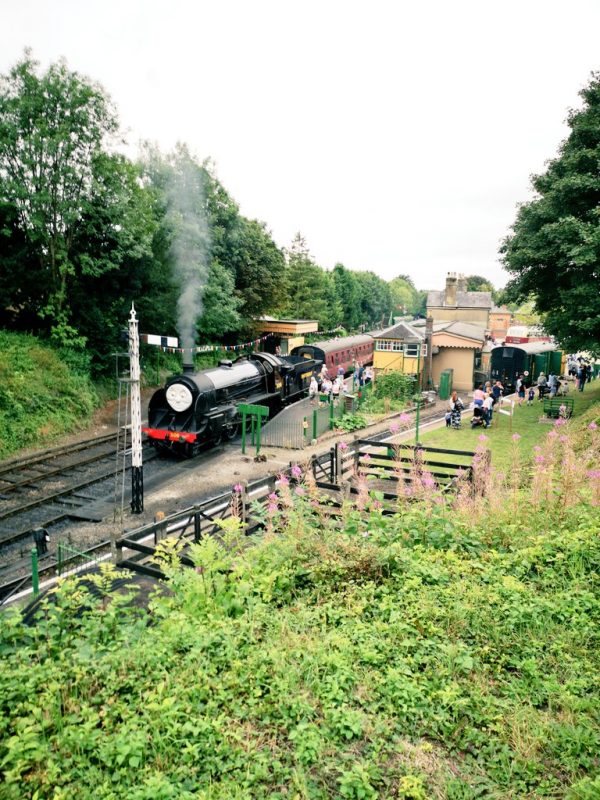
{"type": "Point", "coordinates": [190, 247]}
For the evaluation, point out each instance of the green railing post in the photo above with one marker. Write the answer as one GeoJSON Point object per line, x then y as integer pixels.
{"type": "Point", "coordinates": [35, 575]}
{"type": "Point", "coordinates": [59, 557]}
{"type": "Point", "coordinates": [257, 435]}
{"type": "Point", "coordinates": [331, 410]}
{"type": "Point", "coordinates": [243, 433]}
{"type": "Point", "coordinates": [314, 427]}
{"type": "Point", "coordinates": [418, 402]}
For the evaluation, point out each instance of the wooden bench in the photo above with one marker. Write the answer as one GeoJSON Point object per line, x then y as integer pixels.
{"type": "Point", "coordinates": [553, 406]}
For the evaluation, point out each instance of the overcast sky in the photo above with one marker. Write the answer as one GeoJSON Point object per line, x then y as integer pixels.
{"type": "Point", "coordinates": [396, 136]}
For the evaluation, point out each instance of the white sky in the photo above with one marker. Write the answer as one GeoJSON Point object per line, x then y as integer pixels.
{"type": "Point", "coordinates": [396, 136]}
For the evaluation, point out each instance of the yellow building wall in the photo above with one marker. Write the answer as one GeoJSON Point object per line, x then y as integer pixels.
{"type": "Point", "coordinates": [461, 360]}
{"type": "Point", "coordinates": [385, 360]}
{"type": "Point", "coordinates": [477, 316]}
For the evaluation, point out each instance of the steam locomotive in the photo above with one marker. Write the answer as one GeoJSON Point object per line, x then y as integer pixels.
{"type": "Point", "coordinates": [198, 408]}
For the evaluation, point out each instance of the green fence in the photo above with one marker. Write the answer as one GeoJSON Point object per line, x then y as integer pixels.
{"type": "Point", "coordinates": [69, 559]}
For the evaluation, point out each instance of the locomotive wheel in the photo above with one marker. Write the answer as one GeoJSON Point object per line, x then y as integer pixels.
{"type": "Point", "coordinates": [230, 430]}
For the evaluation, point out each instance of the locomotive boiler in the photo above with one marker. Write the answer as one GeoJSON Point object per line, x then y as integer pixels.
{"type": "Point", "coordinates": [198, 408]}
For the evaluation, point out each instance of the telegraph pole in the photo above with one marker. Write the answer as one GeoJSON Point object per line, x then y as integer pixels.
{"type": "Point", "coordinates": [137, 470]}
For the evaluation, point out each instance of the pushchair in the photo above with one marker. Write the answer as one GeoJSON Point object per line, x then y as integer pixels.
{"type": "Point", "coordinates": [478, 419]}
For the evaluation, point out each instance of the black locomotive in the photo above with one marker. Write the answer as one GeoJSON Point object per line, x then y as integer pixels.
{"type": "Point", "coordinates": [198, 408]}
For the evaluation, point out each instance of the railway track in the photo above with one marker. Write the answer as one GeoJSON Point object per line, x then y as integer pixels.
{"type": "Point", "coordinates": [21, 583]}
{"type": "Point", "coordinates": [51, 486]}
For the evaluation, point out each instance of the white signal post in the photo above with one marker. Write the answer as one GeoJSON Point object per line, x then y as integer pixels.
{"type": "Point", "coordinates": [137, 473]}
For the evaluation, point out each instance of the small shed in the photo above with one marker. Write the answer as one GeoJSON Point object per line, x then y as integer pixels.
{"type": "Point", "coordinates": [286, 333]}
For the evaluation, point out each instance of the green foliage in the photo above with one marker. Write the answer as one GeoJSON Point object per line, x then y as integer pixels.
{"type": "Point", "coordinates": [438, 652]}
{"type": "Point", "coordinates": [352, 422]}
{"type": "Point", "coordinates": [311, 290]}
{"type": "Point", "coordinates": [394, 385]}
{"type": "Point", "coordinates": [43, 392]}
{"type": "Point", "coordinates": [554, 249]}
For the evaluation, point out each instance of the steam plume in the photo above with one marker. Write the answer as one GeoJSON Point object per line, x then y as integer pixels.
{"type": "Point", "coordinates": [190, 248]}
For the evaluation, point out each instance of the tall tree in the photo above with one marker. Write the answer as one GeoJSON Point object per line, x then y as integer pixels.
{"type": "Point", "coordinates": [553, 251]}
{"type": "Point", "coordinates": [375, 298]}
{"type": "Point", "coordinates": [348, 293]}
{"type": "Point", "coordinates": [311, 290]}
{"type": "Point", "coordinates": [54, 128]}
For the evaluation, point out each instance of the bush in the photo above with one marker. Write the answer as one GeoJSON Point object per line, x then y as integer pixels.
{"type": "Point", "coordinates": [44, 392]}
{"type": "Point", "coordinates": [394, 385]}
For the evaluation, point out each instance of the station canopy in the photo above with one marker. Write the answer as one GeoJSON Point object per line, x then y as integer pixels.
{"type": "Point", "coordinates": [286, 327]}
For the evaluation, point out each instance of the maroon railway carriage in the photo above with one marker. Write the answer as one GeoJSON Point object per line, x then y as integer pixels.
{"type": "Point", "coordinates": [345, 352]}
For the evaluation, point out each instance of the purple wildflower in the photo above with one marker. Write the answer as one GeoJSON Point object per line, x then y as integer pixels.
{"type": "Point", "coordinates": [272, 508]}
{"type": "Point", "coordinates": [539, 459]}
{"type": "Point", "coordinates": [404, 418]}
{"type": "Point", "coordinates": [283, 480]}
{"type": "Point", "coordinates": [552, 434]}
{"type": "Point", "coordinates": [594, 473]}
{"type": "Point", "coordinates": [238, 488]}
{"type": "Point", "coordinates": [273, 497]}
{"type": "Point", "coordinates": [300, 491]}
{"type": "Point", "coordinates": [560, 421]}
{"type": "Point", "coordinates": [428, 481]}
{"type": "Point", "coordinates": [394, 428]}
{"type": "Point", "coordinates": [296, 471]}
{"type": "Point", "coordinates": [343, 445]}
{"type": "Point", "coordinates": [592, 426]}
{"type": "Point", "coordinates": [563, 438]}
{"type": "Point", "coordinates": [366, 457]}
{"type": "Point", "coordinates": [482, 437]}
{"type": "Point", "coordinates": [515, 437]}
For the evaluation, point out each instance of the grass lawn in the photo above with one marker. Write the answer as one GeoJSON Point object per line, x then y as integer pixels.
{"type": "Point", "coordinates": [525, 422]}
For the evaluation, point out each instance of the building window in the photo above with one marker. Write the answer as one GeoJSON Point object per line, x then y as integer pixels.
{"type": "Point", "coordinates": [414, 350]}
{"type": "Point", "coordinates": [384, 344]}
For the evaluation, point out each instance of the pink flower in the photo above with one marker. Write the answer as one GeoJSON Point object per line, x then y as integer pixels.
{"type": "Point", "coordinates": [560, 421]}
{"type": "Point", "coordinates": [482, 437]}
{"type": "Point", "coordinates": [273, 497]}
{"type": "Point", "coordinates": [283, 480]}
{"type": "Point", "coordinates": [366, 457]}
{"type": "Point", "coordinates": [552, 434]}
{"type": "Point", "coordinates": [594, 473]}
{"type": "Point", "coordinates": [394, 429]}
{"type": "Point", "coordinates": [238, 488]}
{"type": "Point", "coordinates": [563, 438]}
{"type": "Point", "coordinates": [404, 418]}
{"type": "Point", "coordinates": [539, 459]}
{"type": "Point", "coordinates": [515, 437]}
{"type": "Point", "coordinates": [592, 426]}
{"type": "Point", "coordinates": [272, 508]}
{"type": "Point", "coordinates": [296, 471]}
{"type": "Point", "coordinates": [343, 445]}
{"type": "Point", "coordinates": [428, 481]}
{"type": "Point", "coordinates": [300, 491]}
{"type": "Point", "coordinates": [537, 448]}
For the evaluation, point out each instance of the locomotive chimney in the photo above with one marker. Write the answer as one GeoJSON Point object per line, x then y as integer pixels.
{"type": "Point", "coordinates": [450, 295]}
{"type": "Point", "coordinates": [188, 364]}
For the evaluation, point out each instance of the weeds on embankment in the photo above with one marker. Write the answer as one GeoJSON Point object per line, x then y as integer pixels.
{"type": "Point", "coordinates": [447, 651]}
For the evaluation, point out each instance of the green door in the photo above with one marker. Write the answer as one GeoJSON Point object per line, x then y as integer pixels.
{"type": "Point", "coordinates": [446, 384]}
{"type": "Point", "coordinates": [540, 364]}
{"type": "Point", "coordinates": [555, 362]}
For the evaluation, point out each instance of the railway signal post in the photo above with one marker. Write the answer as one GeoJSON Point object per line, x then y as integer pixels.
{"type": "Point", "coordinates": [137, 470]}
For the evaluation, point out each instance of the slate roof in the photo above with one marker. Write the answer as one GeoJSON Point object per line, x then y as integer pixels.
{"type": "Point", "coordinates": [463, 300]}
{"type": "Point", "coordinates": [399, 331]}
{"type": "Point", "coordinates": [466, 330]}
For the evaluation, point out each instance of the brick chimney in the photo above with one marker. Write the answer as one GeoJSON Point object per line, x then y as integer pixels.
{"type": "Point", "coordinates": [450, 296]}
{"type": "Point", "coordinates": [461, 283]}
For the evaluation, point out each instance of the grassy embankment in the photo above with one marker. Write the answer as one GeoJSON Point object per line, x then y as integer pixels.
{"type": "Point", "coordinates": [41, 396]}
{"type": "Point", "coordinates": [525, 422]}
{"type": "Point", "coordinates": [450, 651]}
